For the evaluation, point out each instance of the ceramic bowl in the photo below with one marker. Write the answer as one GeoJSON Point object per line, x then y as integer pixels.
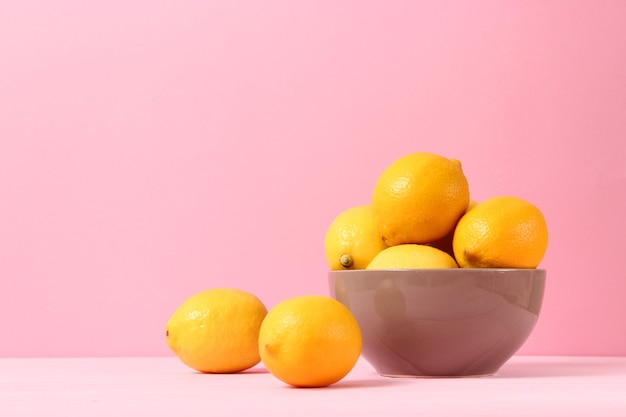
{"type": "Point", "coordinates": [441, 322]}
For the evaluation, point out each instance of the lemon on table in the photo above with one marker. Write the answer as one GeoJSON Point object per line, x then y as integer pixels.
{"type": "Point", "coordinates": [419, 198]}
{"type": "Point", "coordinates": [352, 240]}
{"type": "Point", "coordinates": [501, 232]}
{"type": "Point", "coordinates": [412, 256]}
{"type": "Point", "coordinates": [216, 331]}
{"type": "Point", "coordinates": [310, 341]}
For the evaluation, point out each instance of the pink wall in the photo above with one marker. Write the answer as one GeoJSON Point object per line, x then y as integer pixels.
{"type": "Point", "coordinates": [150, 149]}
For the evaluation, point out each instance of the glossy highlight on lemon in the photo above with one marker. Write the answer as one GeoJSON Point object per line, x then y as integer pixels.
{"type": "Point", "coordinates": [216, 330]}
{"type": "Point", "coordinates": [419, 198]}
{"type": "Point", "coordinates": [310, 341]}
{"type": "Point", "coordinates": [501, 232]}
{"type": "Point", "coordinates": [352, 239]}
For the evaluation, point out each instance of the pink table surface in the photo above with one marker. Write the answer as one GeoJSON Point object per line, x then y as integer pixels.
{"type": "Point", "coordinates": [525, 386]}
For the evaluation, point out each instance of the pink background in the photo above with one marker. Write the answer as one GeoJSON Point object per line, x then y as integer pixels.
{"type": "Point", "coordinates": [152, 149]}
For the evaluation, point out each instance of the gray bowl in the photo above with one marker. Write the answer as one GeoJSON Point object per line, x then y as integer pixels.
{"type": "Point", "coordinates": [441, 322]}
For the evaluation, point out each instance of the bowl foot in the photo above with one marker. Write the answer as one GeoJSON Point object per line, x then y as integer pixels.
{"type": "Point", "coordinates": [435, 376]}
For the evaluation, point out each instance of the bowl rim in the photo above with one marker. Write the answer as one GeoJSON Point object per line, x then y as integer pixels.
{"type": "Point", "coordinates": [436, 270]}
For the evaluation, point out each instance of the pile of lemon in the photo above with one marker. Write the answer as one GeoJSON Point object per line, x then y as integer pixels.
{"type": "Point", "coordinates": [421, 216]}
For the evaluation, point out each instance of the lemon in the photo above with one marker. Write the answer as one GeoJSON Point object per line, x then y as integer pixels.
{"type": "Point", "coordinates": [445, 243]}
{"type": "Point", "coordinates": [216, 331]}
{"type": "Point", "coordinates": [412, 256]}
{"type": "Point", "coordinates": [352, 240]}
{"type": "Point", "coordinates": [501, 232]}
{"type": "Point", "coordinates": [310, 341]}
{"type": "Point", "coordinates": [419, 198]}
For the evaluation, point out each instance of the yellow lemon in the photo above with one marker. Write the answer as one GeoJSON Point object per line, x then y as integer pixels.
{"type": "Point", "coordinates": [445, 243]}
{"type": "Point", "coordinates": [419, 198]}
{"type": "Point", "coordinates": [412, 256]}
{"type": "Point", "coordinates": [352, 240]}
{"type": "Point", "coordinates": [501, 232]}
{"type": "Point", "coordinates": [216, 331]}
{"type": "Point", "coordinates": [310, 341]}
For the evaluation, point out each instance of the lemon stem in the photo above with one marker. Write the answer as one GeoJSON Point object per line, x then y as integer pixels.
{"type": "Point", "coordinates": [346, 260]}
